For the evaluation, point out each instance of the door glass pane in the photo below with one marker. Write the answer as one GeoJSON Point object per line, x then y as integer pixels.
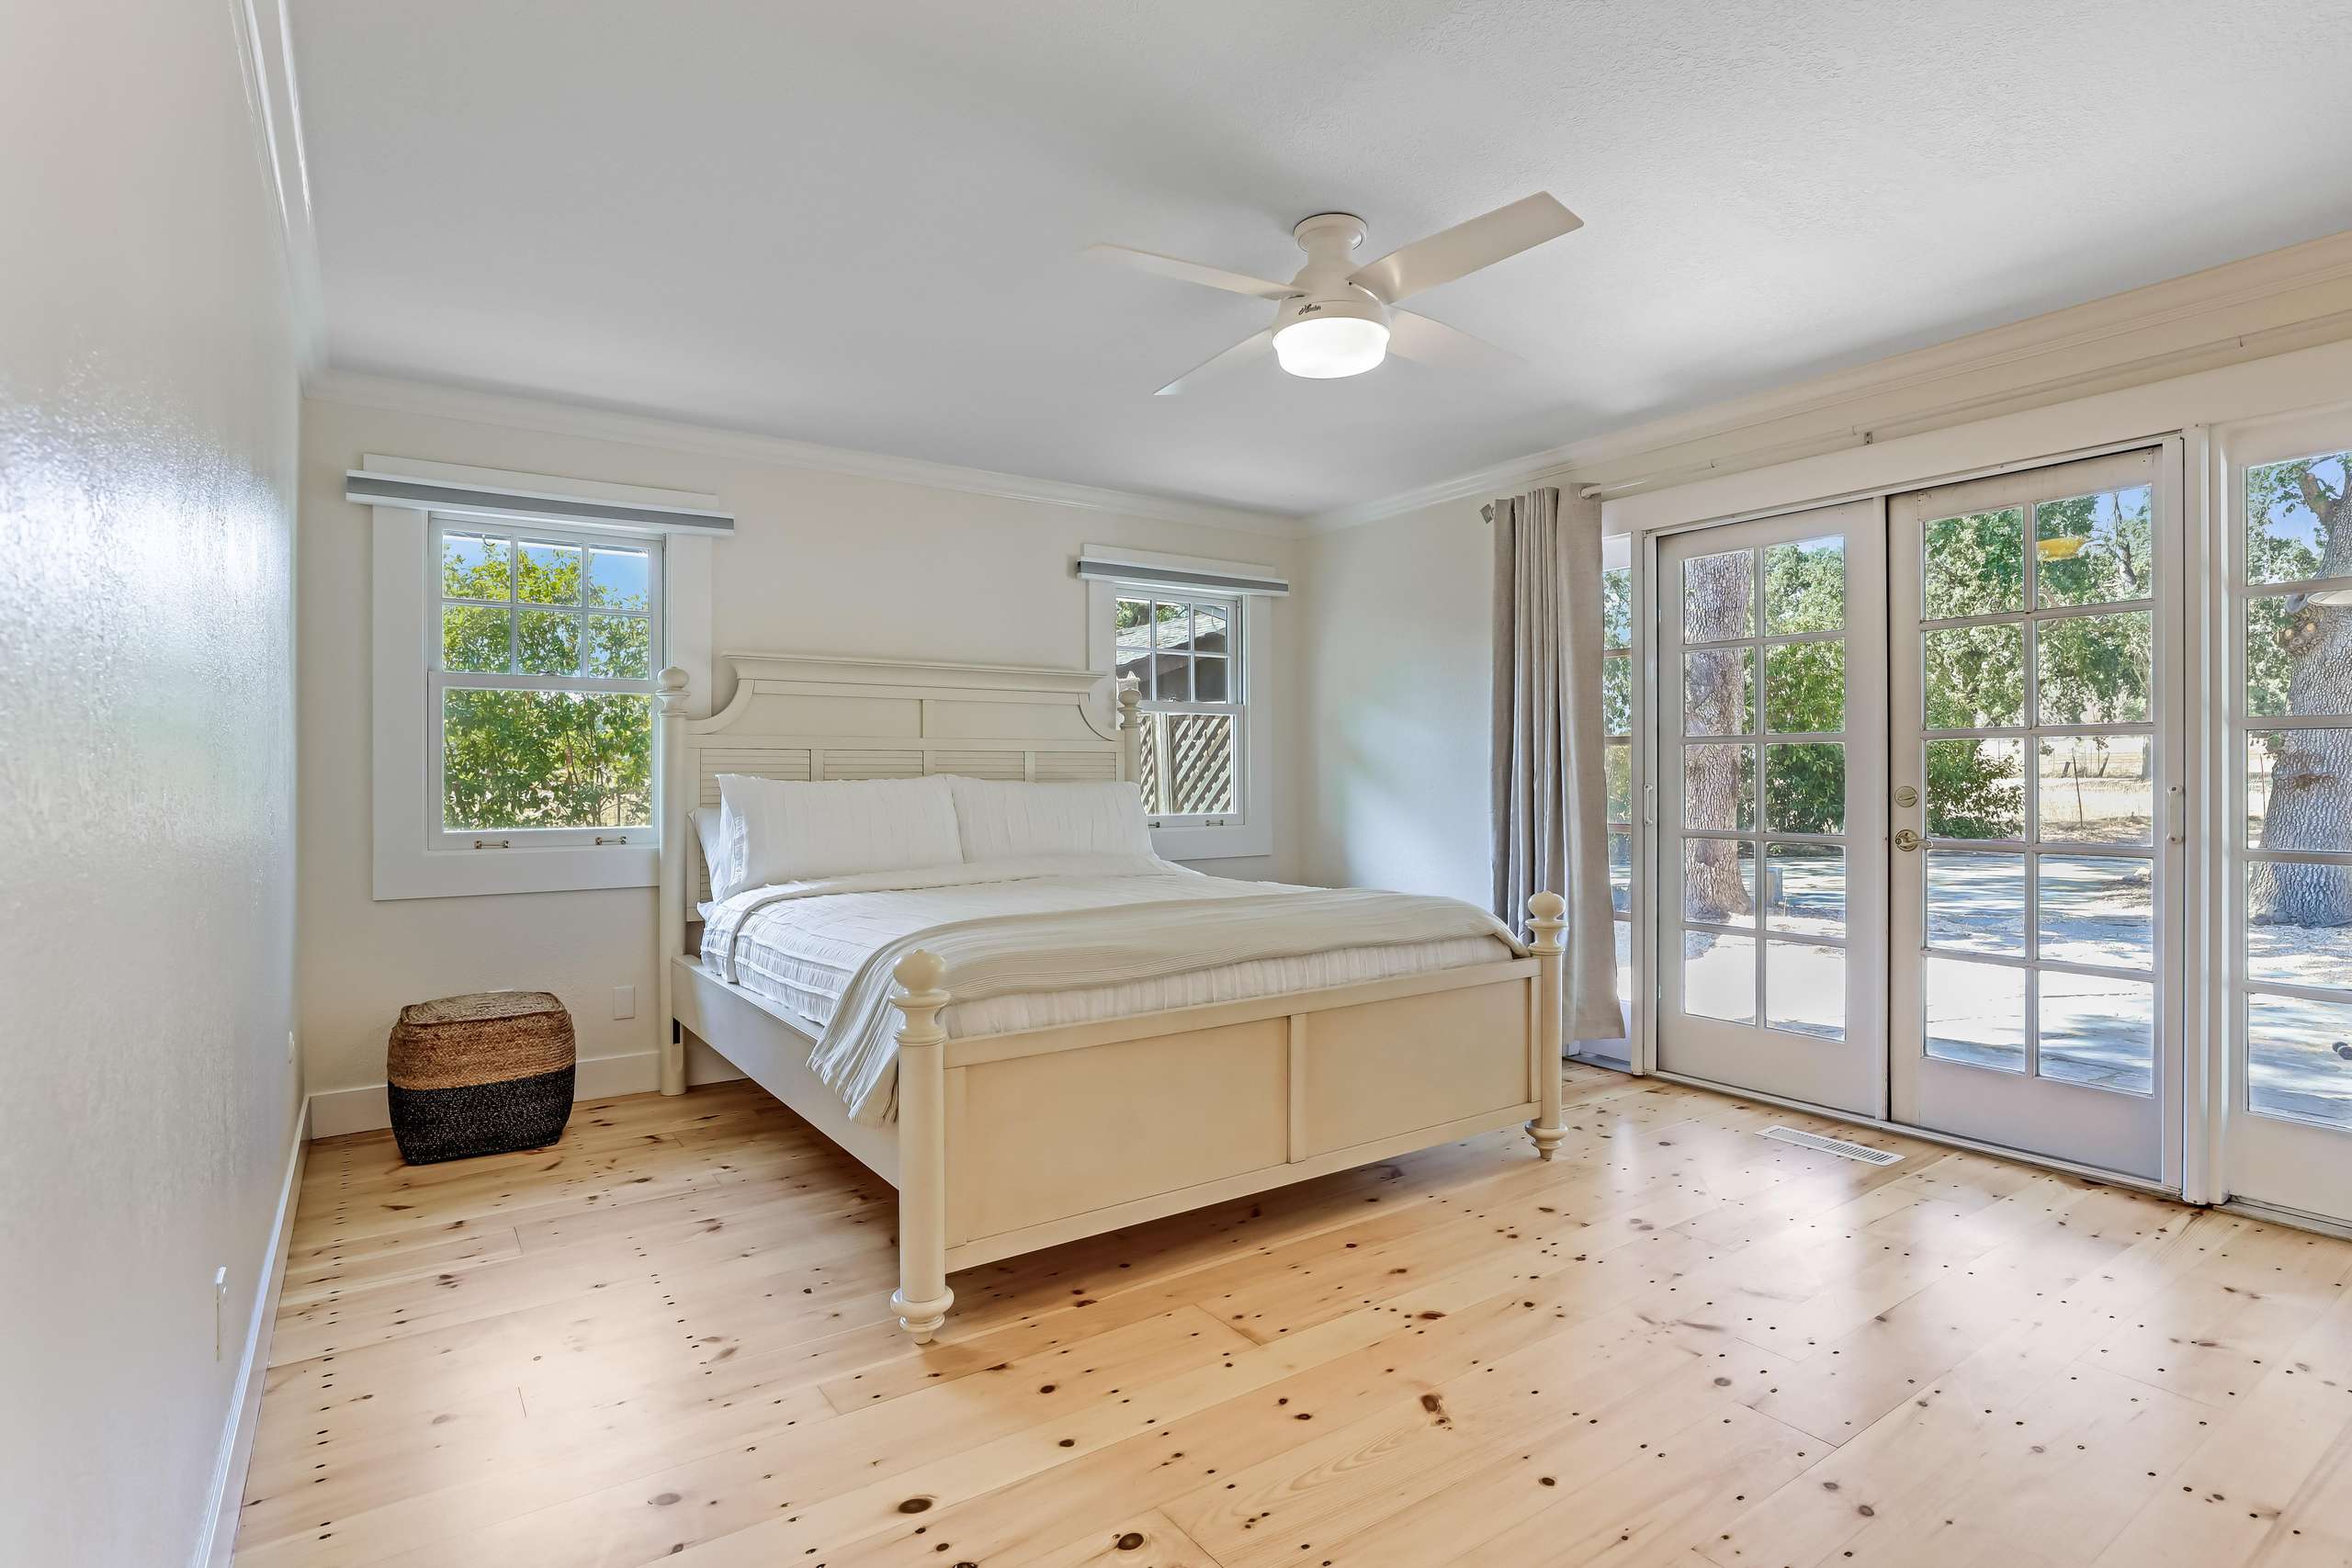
{"type": "Point", "coordinates": [1804, 788]}
{"type": "Point", "coordinates": [1977, 1014]}
{"type": "Point", "coordinates": [1804, 889]}
{"type": "Point", "coordinates": [1625, 966]}
{"type": "Point", "coordinates": [2096, 910]}
{"type": "Point", "coordinates": [2298, 922]}
{"type": "Point", "coordinates": [2298, 654]}
{"type": "Point", "coordinates": [1617, 607]}
{"type": "Point", "coordinates": [1719, 976]}
{"type": "Point", "coordinates": [1804, 688]}
{"type": "Point", "coordinates": [1975, 564]}
{"type": "Point", "coordinates": [1617, 774]}
{"type": "Point", "coordinates": [1719, 881]}
{"type": "Point", "coordinates": [2094, 549]}
{"type": "Point", "coordinates": [2098, 1031]}
{"type": "Point", "coordinates": [2095, 788]}
{"type": "Point", "coordinates": [1976, 789]}
{"type": "Point", "coordinates": [1805, 989]}
{"type": "Point", "coordinates": [1719, 597]}
{"type": "Point", "coordinates": [1805, 586]}
{"type": "Point", "coordinates": [1617, 694]}
{"type": "Point", "coordinates": [2299, 1059]}
{"type": "Point", "coordinates": [2284, 541]}
{"type": "Point", "coordinates": [2300, 793]}
{"type": "Point", "coordinates": [1974, 677]}
{"type": "Point", "coordinates": [1719, 786]}
{"type": "Point", "coordinates": [1719, 691]}
{"type": "Point", "coordinates": [2092, 669]}
{"type": "Point", "coordinates": [1976, 901]}
{"type": "Point", "coordinates": [1620, 872]}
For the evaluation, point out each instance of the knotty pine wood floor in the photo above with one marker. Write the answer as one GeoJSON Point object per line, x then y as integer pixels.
{"type": "Point", "coordinates": [665, 1339]}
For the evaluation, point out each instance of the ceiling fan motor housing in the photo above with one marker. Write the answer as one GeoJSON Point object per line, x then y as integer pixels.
{"type": "Point", "coordinates": [1331, 327]}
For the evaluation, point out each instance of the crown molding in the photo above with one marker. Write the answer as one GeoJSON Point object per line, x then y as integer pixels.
{"type": "Point", "coordinates": [266, 50]}
{"type": "Point", "coordinates": [435, 400]}
{"type": "Point", "coordinates": [2263, 305]}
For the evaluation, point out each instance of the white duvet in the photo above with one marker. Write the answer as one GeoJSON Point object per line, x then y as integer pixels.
{"type": "Point", "coordinates": [1044, 941]}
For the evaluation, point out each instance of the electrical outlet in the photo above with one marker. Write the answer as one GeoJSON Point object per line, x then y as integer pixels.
{"type": "Point", "coordinates": [220, 1308]}
{"type": "Point", "coordinates": [624, 1001]}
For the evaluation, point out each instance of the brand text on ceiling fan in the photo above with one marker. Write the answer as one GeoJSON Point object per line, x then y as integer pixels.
{"type": "Point", "coordinates": [1335, 320]}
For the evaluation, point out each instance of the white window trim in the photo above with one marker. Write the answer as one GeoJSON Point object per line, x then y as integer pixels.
{"type": "Point", "coordinates": [1250, 830]}
{"type": "Point", "coordinates": [405, 597]}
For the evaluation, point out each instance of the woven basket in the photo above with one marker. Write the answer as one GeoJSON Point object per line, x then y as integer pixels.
{"type": "Point", "coordinates": [484, 1073]}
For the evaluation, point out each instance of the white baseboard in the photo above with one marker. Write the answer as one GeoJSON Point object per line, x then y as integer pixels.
{"type": "Point", "coordinates": [367, 1107]}
{"type": "Point", "coordinates": [217, 1538]}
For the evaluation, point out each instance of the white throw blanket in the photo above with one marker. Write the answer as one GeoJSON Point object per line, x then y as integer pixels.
{"type": "Point", "coordinates": [1178, 922]}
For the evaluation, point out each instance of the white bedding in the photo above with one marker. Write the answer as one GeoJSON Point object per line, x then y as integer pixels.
{"type": "Point", "coordinates": [801, 945]}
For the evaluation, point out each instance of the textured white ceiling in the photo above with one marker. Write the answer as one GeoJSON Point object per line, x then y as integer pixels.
{"type": "Point", "coordinates": [857, 222]}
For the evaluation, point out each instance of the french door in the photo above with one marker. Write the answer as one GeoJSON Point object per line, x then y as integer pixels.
{"type": "Point", "coordinates": [1919, 821]}
{"type": "Point", "coordinates": [1773, 726]}
{"type": "Point", "coordinates": [2287, 688]}
{"type": "Point", "coordinates": [2038, 811]}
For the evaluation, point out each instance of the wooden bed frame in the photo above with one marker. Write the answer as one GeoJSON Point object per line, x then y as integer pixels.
{"type": "Point", "coordinates": [1008, 1143]}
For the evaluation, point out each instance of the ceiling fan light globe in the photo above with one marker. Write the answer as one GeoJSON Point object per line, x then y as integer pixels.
{"type": "Point", "coordinates": [1324, 349]}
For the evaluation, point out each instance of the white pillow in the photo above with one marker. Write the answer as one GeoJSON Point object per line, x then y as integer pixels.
{"type": "Point", "coordinates": [710, 830]}
{"type": "Point", "coordinates": [793, 833]}
{"type": "Point", "coordinates": [1000, 819]}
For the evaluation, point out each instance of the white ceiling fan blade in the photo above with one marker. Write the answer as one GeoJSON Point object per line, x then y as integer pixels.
{"type": "Point", "coordinates": [1249, 347]}
{"type": "Point", "coordinates": [1464, 248]}
{"type": "Point", "coordinates": [1426, 342]}
{"type": "Point", "coordinates": [1190, 272]}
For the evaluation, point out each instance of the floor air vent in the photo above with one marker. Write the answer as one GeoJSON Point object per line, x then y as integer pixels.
{"type": "Point", "coordinates": [1837, 1146]}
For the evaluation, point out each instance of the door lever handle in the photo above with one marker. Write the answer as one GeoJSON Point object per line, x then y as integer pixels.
{"type": "Point", "coordinates": [1906, 839]}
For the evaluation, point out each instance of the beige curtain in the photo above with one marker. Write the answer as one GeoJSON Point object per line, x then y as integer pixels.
{"type": "Point", "coordinates": [1550, 801]}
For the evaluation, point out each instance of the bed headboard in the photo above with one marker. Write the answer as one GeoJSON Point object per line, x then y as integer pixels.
{"type": "Point", "coordinates": [806, 717]}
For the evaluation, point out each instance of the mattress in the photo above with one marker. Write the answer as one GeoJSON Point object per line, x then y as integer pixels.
{"type": "Point", "coordinates": [801, 954]}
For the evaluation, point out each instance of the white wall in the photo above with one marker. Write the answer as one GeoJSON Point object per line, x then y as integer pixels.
{"type": "Point", "coordinates": [1395, 661]}
{"type": "Point", "coordinates": [148, 406]}
{"type": "Point", "coordinates": [821, 563]}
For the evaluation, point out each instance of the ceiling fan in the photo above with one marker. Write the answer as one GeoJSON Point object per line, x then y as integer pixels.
{"type": "Point", "coordinates": [1335, 320]}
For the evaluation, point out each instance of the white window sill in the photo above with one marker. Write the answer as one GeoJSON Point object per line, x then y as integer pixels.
{"type": "Point", "coordinates": [1214, 843]}
{"type": "Point", "coordinates": [459, 874]}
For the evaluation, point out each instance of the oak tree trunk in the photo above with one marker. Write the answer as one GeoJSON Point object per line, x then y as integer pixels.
{"type": "Point", "coordinates": [1718, 591]}
{"type": "Point", "coordinates": [2310, 784]}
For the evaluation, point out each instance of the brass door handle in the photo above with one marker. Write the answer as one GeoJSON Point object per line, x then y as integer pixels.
{"type": "Point", "coordinates": [1906, 839]}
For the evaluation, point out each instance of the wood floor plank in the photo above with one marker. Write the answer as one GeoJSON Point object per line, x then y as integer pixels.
{"type": "Point", "coordinates": [666, 1339]}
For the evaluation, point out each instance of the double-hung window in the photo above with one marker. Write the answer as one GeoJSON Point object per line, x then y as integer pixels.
{"type": "Point", "coordinates": [1183, 648]}
{"type": "Point", "coordinates": [541, 678]}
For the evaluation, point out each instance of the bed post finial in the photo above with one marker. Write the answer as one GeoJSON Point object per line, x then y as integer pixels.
{"type": "Point", "coordinates": [923, 1297]}
{"type": "Point", "coordinates": [673, 682]}
{"type": "Point", "coordinates": [1130, 693]}
{"type": "Point", "coordinates": [1547, 919]}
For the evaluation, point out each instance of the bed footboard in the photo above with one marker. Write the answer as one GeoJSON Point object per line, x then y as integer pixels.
{"type": "Point", "coordinates": [1007, 1143]}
